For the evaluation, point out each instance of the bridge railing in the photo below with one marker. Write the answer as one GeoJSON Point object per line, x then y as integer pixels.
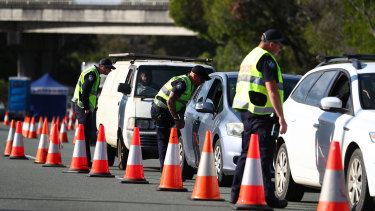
{"type": "Point", "coordinates": [9, 3]}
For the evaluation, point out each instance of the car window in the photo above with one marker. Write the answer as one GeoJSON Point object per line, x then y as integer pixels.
{"type": "Point", "coordinates": [301, 91]}
{"type": "Point", "coordinates": [215, 94]}
{"type": "Point", "coordinates": [202, 92]}
{"type": "Point", "coordinates": [319, 89]}
{"type": "Point", "coordinates": [341, 89]}
{"type": "Point", "coordinates": [232, 82]}
{"type": "Point", "coordinates": [288, 85]}
{"type": "Point", "coordinates": [367, 90]}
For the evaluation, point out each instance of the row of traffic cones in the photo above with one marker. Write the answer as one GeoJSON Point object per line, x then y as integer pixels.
{"type": "Point", "coordinates": [333, 195]}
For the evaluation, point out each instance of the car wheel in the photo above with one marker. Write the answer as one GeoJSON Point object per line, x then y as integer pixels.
{"type": "Point", "coordinates": [223, 179]}
{"type": "Point", "coordinates": [356, 180]}
{"type": "Point", "coordinates": [111, 152]}
{"type": "Point", "coordinates": [122, 152]}
{"type": "Point", "coordinates": [285, 187]}
{"type": "Point", "coordinates": [186, 170]}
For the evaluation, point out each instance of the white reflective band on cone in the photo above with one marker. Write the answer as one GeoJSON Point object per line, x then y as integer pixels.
{"type": "Point", "coordinates": [172, 156]}
{"type": "Point", "coordinates": [43, 143]}
{"type": "Point", "coordinates": [63, 129]}
{"type": "Point", "coordinates": [333, 189]}
{"type": "Point", "coordinates": [101, 151]}
{"type": "Point", "coordinates": [79, 149]}
{"type": "Point", "coordinates": [18, 140]}
{"type": "Point", "coordinates": [11, 134]}
{"type": "Point", "coordinates": [249, 176]}
{"type": "Point", "coordinates": [133, 159]}
{"type": "Point", "coordinates": [204, 168]}
{"type": "Point", "coordinates": [54, 148]}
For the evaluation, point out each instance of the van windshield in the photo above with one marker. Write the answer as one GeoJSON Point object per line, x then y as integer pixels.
{"type": "Point", "coordinates": [150, 79]}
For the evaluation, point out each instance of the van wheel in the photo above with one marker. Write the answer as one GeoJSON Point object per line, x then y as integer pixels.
{"type": "Point", "coordinates": [186, 170]}
{"type": "Point", "coordinates": [111, 152]}
{"type": "Point", "coordinates": [122, 152]}
{"type": "Point", "coordinates": [285, 186]}
{"type": "Point", "coordinates": [223, 179]}
{"type": "Point", "coordinates": [356, 180]}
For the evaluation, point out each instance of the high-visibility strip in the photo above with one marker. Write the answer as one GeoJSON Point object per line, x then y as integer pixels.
{"type": "Point", "coordinates": [333, 190]}
{"type": "Point", "coordinates": [255, 80]}
{"type": "Point", "coordinates": [172, 152]}
{"type": "Point", "coordinates": [53, 148]}
{"type": "Point", "coordinates": [204, 168]}
{"type": "Point", "coordinates": [18, 140]}
{"type": "Point", "coordinates": [80, 149]}
{"type": "Point", "coordinates": [43, 143]}
{"type": "Point", "coordinates": [101, 151]}
{"type": "Point", "coordinates": [135, 157]}
{"type": "Point", "coordinates": [249, 177]}
{"type": "Point", "coordinates": [11, 134]}
{"type": "Point", "coordinates": [266, 110]}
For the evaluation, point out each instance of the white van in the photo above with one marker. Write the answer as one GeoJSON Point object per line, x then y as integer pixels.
{"type": "Point", "coordinates": [125, 100]}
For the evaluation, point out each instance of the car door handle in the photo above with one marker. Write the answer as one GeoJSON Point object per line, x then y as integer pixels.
{"type": "Point", "coordinates": [346, 129]}
{"type": "Point", "coordinates": [316, 125]}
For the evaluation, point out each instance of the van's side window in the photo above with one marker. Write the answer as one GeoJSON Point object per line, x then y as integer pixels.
{"type": "Point", "coordinates": [130, 76]}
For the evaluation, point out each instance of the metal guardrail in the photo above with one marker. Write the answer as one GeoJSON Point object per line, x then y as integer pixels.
{"type": "Point", "coordinates": [9, 3]}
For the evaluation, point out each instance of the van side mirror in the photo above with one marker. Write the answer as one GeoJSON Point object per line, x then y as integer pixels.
{"type": "Point", "coordinates": [332, 104]}
{"type": "Point", "coordinates": [124, 88]}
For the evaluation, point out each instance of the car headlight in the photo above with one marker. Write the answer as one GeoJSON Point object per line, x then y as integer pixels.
{"type": "Point", "coordinates": [234, 129]}
{"type": "Point", "coordinates": [372, 136]}
{"type": "Point", "coordinates": [141, 123]}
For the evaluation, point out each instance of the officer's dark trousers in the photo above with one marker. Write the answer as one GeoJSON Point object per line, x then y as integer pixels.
{"type": "Point", "coordinates": [164, 122]}
{"type": "Point", "coordinates": [261, 125]}
{"type": "Point", "coordinates": [86, 120]}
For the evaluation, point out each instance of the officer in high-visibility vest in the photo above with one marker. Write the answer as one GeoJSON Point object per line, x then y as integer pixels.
{"type": "Point", "coordinates": [85, 98]}
{"type": "Point", "coordinates": [259, 93]}
{"type": "Point", "coordinates": [169, 104]}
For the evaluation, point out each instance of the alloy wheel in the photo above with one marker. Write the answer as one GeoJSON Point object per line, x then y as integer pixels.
{"type": "Point", "coordinates": [218, 160]}
{"type": "Point", "coordinates": [281, 171]}
{"type": "Point", "coordinates": [355, 181]}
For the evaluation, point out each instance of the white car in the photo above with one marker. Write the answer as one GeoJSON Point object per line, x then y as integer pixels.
{"type": "Point", "coordinates": [334, 101]}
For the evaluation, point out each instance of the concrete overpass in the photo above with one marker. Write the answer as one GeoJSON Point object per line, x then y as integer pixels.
{"type": "Point", "coordinates": [126, 17]}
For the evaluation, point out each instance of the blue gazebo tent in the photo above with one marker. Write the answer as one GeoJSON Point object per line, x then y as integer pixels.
{"type": "Point", "coordinates": [48, 97]}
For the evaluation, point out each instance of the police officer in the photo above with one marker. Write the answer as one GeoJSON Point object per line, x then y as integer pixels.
{"type": "Point", "coordinates": [85, 98]}
{"type": "Point", "coordinates": [169, 104]}
{"type": "Point", "coordinates": [259, 92]}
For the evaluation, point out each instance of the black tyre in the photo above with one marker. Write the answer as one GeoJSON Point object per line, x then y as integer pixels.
{"type": "Point", "coordinates": [186, 170]}
{"type": "Point", "coordinates": [224, 180]}
{"type": "Point", "coordinates": [122, 152]}
{"type": "Point", "coordinates": [285, 187]}
{"type": "Point", "coordinates": [356, 182]}
{"type": "Point", "coordinates": [111, 152]}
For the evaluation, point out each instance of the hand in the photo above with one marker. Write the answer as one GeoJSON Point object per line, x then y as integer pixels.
{"type": "Point", "coordinates": [283, 126]}
{"type": "Point", "coordinates": [87, 111]}
{"type": "Point", "coordinates": [180, 123]}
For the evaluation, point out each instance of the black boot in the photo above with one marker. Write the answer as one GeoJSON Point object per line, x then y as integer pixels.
{"type": "Point", "coordinates": [274, 202]}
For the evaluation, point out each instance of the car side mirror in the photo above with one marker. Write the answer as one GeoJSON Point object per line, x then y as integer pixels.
{"type": "Point", "coordinates": [124, 88]}
{"type": "Point", "coordinates": [333, 104]}
{"type": "Point", "coordinates": [205, 107]}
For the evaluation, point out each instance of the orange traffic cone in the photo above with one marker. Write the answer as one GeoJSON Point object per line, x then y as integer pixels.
{"type": "Point", "coordinates": [252, 190]}
{"type": "Point", "coordinates": [58, 122]}
{"type": "Point", "coordinates": [206, 186]}
{"type": "Point", "coordinates": [6, 118]}
{"type": "Point", "coordinates": [63, 134]}
{"type": "Point", "coordinates": [32, 129]}
{"type": "Point", "coordinates": [134, 167]}
{"type": "Point", "coordinates": [53, 120]}
{"type": "Point", "coordinates": [12, 130]}
{"type": "Point", "coordinates": [54, 155]}
{"type": "Point", "coordinates": [25, 126]}
{"type": "Point", "coordinates": [18, 151]}
{"type": "Point", "coordinates": [75, 135]}
{"type": "Point", "coordinates": [76, 124]}
{"type": "Point", "coordinates": [70, 123]}
{"type": "Point", "coordinates": [40, 126]}
{"type": "Point", "coordinates": [334, 195]}
{"type": "Point", "coordinates": [79, 159]}
{"type": "Point", "coordinates": [171, 177]}
{"type": "Point", "coordinates": [41, 154]}
{"type": "Point", "coordinates": [100, 166]}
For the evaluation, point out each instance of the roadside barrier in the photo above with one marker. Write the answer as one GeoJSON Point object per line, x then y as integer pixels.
{"type": "Point", "coordinates": [100, 166]}
{"type": "Point", "coordinates": [79, 159]}
{"type": "Point", "coordinates": [171, 177]}
{"type": "Point", "coordinates": [41, 154]}
{"type": "Point", "coordinates": [18, 151]}
{"type": "Point", "coordinates": [252, 191]}
{"type": "Point", "coordinates": [333, 195]}
{"type": "Point", "coordinates": [54, 154]}
{"type": "Point", "coordinates": [206, 186]}
{"type": "Point", "coordinates": [9, 144]}
{"type": "Point", "coordinates": [134, 167]}
{"type": "Point", "coordinates": [32, 129]}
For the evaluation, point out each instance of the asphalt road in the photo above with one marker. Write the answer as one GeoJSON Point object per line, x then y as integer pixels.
{"type": "Point", "coordinates": [25, 185]}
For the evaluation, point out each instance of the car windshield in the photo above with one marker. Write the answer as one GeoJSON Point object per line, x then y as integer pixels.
{"type": "Point", "coordinates": [367, 90]}
{"type": "Point", "coordinates": [150, 79]}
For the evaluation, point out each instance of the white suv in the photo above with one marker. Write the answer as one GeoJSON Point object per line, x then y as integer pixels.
{"type": "Point", "coordinates": [127, 95]}
{"type": "Point", "coordinates": [334, 101]}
